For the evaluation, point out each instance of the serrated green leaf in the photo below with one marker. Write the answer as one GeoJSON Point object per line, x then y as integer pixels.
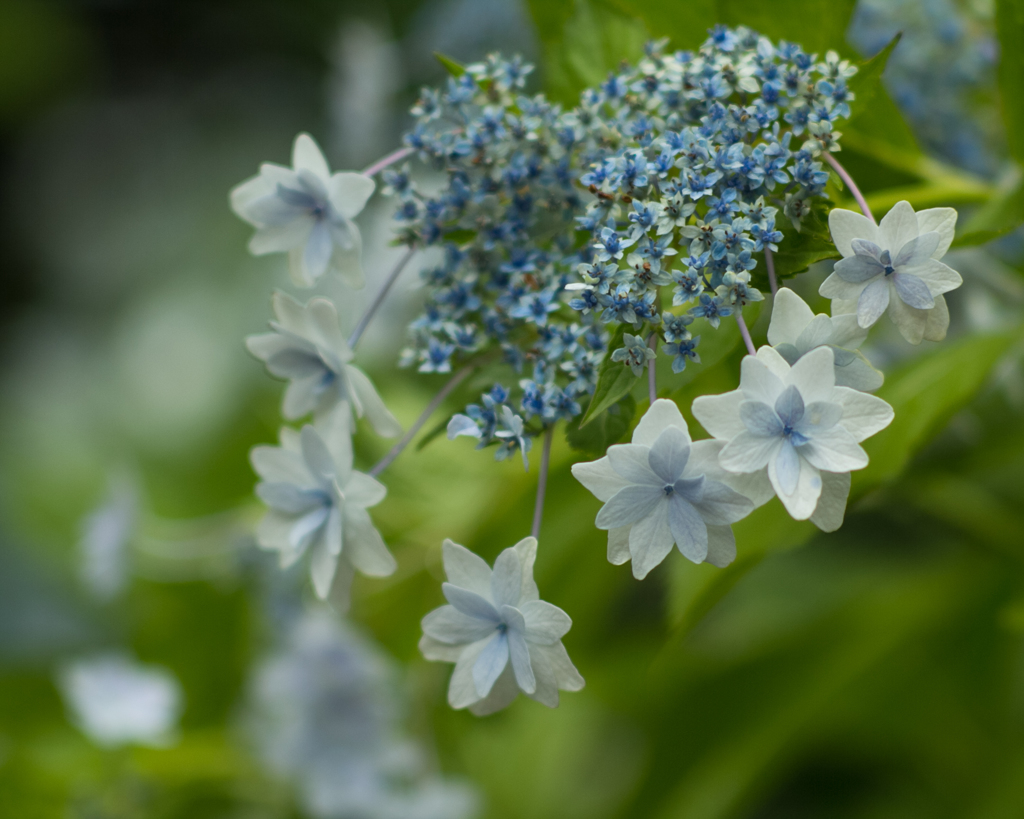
{"type": "Point", "coordinates": [608, 428]}
{"type": "Point", "coordinates": [453, 67]}
{"type": "Point", "coordinates": [614, 380]}
{"type": "Point", "coordinates": [868, 79]}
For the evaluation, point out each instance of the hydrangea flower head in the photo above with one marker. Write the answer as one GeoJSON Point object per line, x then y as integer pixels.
{"type": "Point", "coordinates": [795, 425]}
{"type": "Point", "coordinates": [307, 212]}
{"type": "Point", "coordinates": [795, 330]}
{"type": "Point", "coordinates": [501, 636]}
{"type": "Point", "coordinates": [894, 266]}
{"type": "Point", "coordinates": [318, 504]}
{"type": "Point", "coordinates": [308, 349]}
{"type": "Point", "coordinates": [663, 489]}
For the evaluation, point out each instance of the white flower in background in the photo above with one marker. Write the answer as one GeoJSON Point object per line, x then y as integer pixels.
{"type": "Point", "coordinates": [307, 211]}
{"type": "Point", "coordinates": [796, 425]}
{"type": "Point", "coordinates": [795, 330]}
{"type": "Point", "coordinates": [318, 504]}
{"type": "Point", "coordinates": [323, 712]}
{"type": "Point", "coordinates": [308, 349]}
{"type": "Point", "coordinates": [106, 533]}
{"type": "Point", "coordinates": [116, 701]}
{"type": "Point", "coordinates": [894, 266]}
{"type": "Point", "coordinates": [662, 489]}
{"type": "Point", "coordinates": [501, 636]}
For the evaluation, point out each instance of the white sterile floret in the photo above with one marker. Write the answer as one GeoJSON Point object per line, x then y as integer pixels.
{"type": "Point", "coordinates": [662, 489]}
{"type": "Point", "coordinates": [307, 211]}
{"type": "Point", "coordinates": [795, 330]}
{"type": "Point", "coordinates": [894, 266]}
{"type": "Point", "coordinates": [116, 701]}
{"type": "Point", "coordinates": [318, 504]}
{"type": "Point", "coordinates": [501, 636]}
{"type": "Point", "coordinates": [794, 424]}
{"type": "Point", "coordinates": [308, 349]}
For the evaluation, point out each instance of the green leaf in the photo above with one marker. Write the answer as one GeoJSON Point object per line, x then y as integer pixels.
{"type": "Point", "coordinates": [796, 254]}
{"type": "Point", "coordinates": [454, 68]}
{"type": "Point", "coordinates": [1010, 28]}
{"type": "Point", "coordinates": [608, 428]}
{"type": "Point", "coordinates": [1002, 214]}
{"type": "Point", "coordinates": [614, 380]}
{"type": "Point", "coordinates": [868, 79]}
{"type": "Point", "coordinates": [924, 395]}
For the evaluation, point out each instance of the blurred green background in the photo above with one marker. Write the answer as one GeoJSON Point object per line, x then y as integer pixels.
{"type": "Point", "coordinates": [874, 672]}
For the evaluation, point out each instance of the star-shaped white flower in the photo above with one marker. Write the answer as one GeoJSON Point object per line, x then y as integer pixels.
{"type": "Point", "coordinates": [795, 330]}
{"type": "Point", "coordinates": [894, 266]}
{"type": "Point", "coordinates": [318, 504]}
{"type": "Point", "coordinates": [796, 425]}
{"type": "Point", "coordinates": [662, 489]}
{"type": "Point", "coordinates": [308, 349]}
{"type": "Point", "coordinates": [501, 636]}
{"type": "Point", "coordinates": [307, 211]}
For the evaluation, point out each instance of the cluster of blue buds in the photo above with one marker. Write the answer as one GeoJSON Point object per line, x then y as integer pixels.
{"type": "Point", "coordinates": [503, 225]}
{"type": "Point", "coordinates": [709, 158]}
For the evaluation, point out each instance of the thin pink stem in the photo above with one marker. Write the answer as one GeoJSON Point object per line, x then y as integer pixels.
{"type": "Point", "coordinates": [431, 408]}
{"type": "Point", "coordinates": [745, 333]}
{"type": "Point", "coordinates": [652, 376]}
{"type": "Point", "coordinates": [364, 322]}
{"type": "Point", "coordinates": [542, 483]}
{"type": "Point", "coordinates": [848, 181]}
{"type": "Point", "coordinates": [769, 263]}
{"type": "Point", "coordinates": [390, 159]}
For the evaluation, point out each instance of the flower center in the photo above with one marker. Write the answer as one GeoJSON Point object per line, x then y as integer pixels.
{"type": "Point", "coordinates": [888, 269]}
{"type": "Point", "coordinates": [669, 489]}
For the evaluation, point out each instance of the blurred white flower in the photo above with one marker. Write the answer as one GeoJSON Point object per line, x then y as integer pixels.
{"type": "Point", "coordinates": [795, 330]}
{"type": "Point", "coordinates": [106, 532]}
{"type": "Point", "coordinates": [323, 712]}
{"type": "Point", "coordinates": [501, 636]}
{"type": "Point", "coordinates": [116, 701]}
{"type": "Point", "coordinates": [796, 426]}
{"type": "Point", "coordinates": [308, 212]}
{"type": "Point", "coordinates": [318, 504]}
{"type": "Point", "coordinates": [894, 266]}
{"type": "Point", "coordinates": [662, 489]}
{"type": "Point", "coordinates": [308, 349]}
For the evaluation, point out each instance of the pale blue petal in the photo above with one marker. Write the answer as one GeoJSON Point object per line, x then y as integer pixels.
{"type": "Point", "coordinates": [545, 624]}
{"type": "Point", "coordinates": [318, 251]}
{"type": "Point", "coordinates": [507, 579]}
{"type": "Point", "coordinates": [688, 529]}
{"type": "Point", "coordinates": [629, 505]}
{"type": "Point", "coordinates": [722, 505]}
{"type": "Point", "coordinates": [865, 247]}
{"type": "Point", "coordinates": [632, 462]}
{"type": "Point", "coordinates": [317, 456]}
{"type": "Point", "coordinates": [790, 407]}
{"type": "Point", "coordinates": [462, 425]}
{"type": "Point", "coordinates": [917, 251]}
{"type": "Point", "coordinates": [306, 528]}
{"type": "Point", "coordinates": [669, 454]}
{"type": "Point", "coordinates": [748, 452]}
{"type": "Point", "coordinates": [470, 603]}
{"type": "Point", "coordinates": [490, 663]}
{"type": "Point", "coordinates": [857, 269]}
{"type": "Point", "coordinates": [760, 419]}
{"type": "Point", "coordinates": [787, 467]}
{"type": "Point", "coordinates": [872, 302]}
{"type": "Point", "coordinates": [520, 655]}
{"type": "Point", "coordinates": [294, 363]}
{"type": "Point", "coordinates": [289, 498]}
{"type": "Point", "coordinates": [449, 625]}
{"type": "Point", "coordinates": [913, 291]}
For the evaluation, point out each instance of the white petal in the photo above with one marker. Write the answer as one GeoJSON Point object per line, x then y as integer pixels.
{"type": "Point", "coordinates": [939, 277]}
{"type": "Point", "coordinates": [661, 415]}
{"type": "Point", "coordinates": [816, 334]}
{"type": "Point", "coordinates": [321, 569]}
{"type": "Point", "coordinates": [365, 547]}
{"type": "Point", "coordinates": [281, 238]}
{"type": "Point", "coordinates": [466, 570]}
{"type": "Point", "coordinates": [757, 381]}
{"type": "Point", "coordinates": [449, 625]}
{"type": "Point", "coordinates": [720, 414]}
{"type": "Point", "coordinates": [721, 546]}
{"type": "Point", "coordinates": [704, 460]}
{"type": "Point", "coordinates": [631, 461]}
{"type": "Point", "coordinates": [599, 477]}
{"type": "Point", "coordinates": [348, 264]}
{"type": "Point", "coordinates": [847, 332]}
{"type": "Point", "coordinates": [291, 315]}
{"type": "Point", "coordinates": [492, 661]}
{"type": "Point", "coordinates": [316, 255]}
{"type": "Point", "coordinates": [325, 331]}
{"type": "Point", "coordinates": [834, 450]}
{"type": "Point", "coordinates": [432, 649]}
{"type": "Point", "coordinates": [279, 465]}
{"type": "Point", "coordinates": [461, 689]}
{"type": "Point", "coordinates": [748, 452]}
{"type": "Point", "coordinates": [847, 225]}
{"type": "Point", "coordinates": [554, 670]}
{"type": "Point", "coordinates": [835, 287]}
{"type": "Point", "coordinates": [938, 321]}
{"type": "Point", "coordinates": [363, 491]}
{"type": "Point", "coordinates": [722, 505]}
{"type": "Point", "coordinates": [790, 314]}
{"type": "Point", "coordinates": [802, 502]}
{"type": "Point", "coordinates": [650, 540]}
{"type": "Point", "coordinates": [618, 545]}
{"type": "Point", "coordinates": [545, 623]}
{"type": "Point", "coordinates": [306, 155]}
{"type": "Point", "coordinates": [835, 488]}
{"type": "Point", "coordinates": [873, 301]}
{"type": "Point", "coordinates": [898, 227]}
{"type": "Point", "coordinates": [519, 654]}
{"type": "Point", "coordinates": [943, 222]}
{"type": "Point", "coordinates": [383, 422]}
{"type": "Point", "coordinates": [247, 192]}
{"type": "Point", "coordinates": [814, 375]}
{"type": "Point", "coordinates": [506, 579]}
{"type": "Point", "coordinates": [773, 360]}
{"type": "Point", "coordinates": [910, 321]}
{"type": "Point", "coordinates": [689, 531]}
{"type": "Point", "coordinates": [863, 414]}
{"type": "Point", "coordinates": [527, 551]}
{"type": "Point", "coordinates": [628, 506]}
{"type": "Point", "coordinates": [470, 603]}
{"type": "Point", "coordinates": [349, 192]}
